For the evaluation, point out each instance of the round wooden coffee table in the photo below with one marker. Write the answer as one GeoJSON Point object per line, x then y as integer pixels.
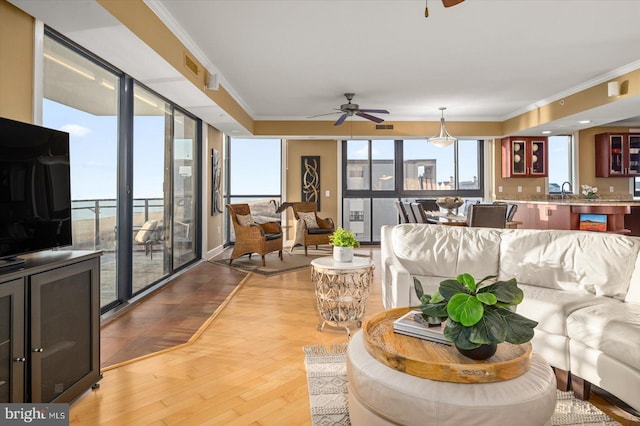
{"type": "Point", "coordinates": [342, 290]}
{"type": "Point", "coordinates": [436, 361]}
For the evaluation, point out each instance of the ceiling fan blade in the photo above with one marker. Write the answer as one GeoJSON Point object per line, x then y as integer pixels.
{"type": "Point", "coordinates": [369, 117]}
{"type": "Point", "coordinates": [375, 111]}
{"type": "Point", "coordinates": [449, 3]}
{"type": "Point", "coordinates": [329, 113]}
{"type": "Point", "coordinates": [340, 120]}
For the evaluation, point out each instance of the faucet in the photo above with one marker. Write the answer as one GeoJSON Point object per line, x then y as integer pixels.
{"type": "Point", "coordinates": [562, 188]}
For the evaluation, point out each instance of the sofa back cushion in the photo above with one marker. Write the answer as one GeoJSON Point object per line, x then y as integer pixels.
{"type": "Point", "coordinates": [633, 294]}
{"type": "Point", "coordinates": [447, 251]}
{"type": "Point", "coordinates": [592, 262]}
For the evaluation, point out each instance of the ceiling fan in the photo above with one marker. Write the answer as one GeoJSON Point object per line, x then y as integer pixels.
{"type": "Point", "coordinates": [349, 110]}
{"type": "Point", "coordinates": [446, 3]}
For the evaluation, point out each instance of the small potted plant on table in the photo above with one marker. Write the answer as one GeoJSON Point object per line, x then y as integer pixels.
{"type": "Point", "coordinates": [477, 318]}
{"type": "Point", "coordinates": [343, 243]}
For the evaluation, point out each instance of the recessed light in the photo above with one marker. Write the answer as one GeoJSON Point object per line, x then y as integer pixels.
{"type": "Point", "coordinates": [546, 132]}
{"type": "Point", "coordinates": [584, 121]}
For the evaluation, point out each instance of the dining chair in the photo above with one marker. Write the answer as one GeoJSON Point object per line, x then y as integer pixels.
{"type": "Point", "coordinates": [418, 213]}
{"type": "Point", "coordinates": [404, 218]}
{"type": "Point", "coordinates": [429, 205]}
{"type": "Point", "coordinates": [488, 215]}
{"type": "Point", "coordinates": [412, 217]}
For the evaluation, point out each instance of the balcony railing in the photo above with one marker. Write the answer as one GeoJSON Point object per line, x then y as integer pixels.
{"type": "Point", "coordinates": [94, 221]}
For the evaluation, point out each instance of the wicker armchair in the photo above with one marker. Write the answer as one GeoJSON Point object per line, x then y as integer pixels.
{"type": "Point", "coordinates": [309, 235]}
{"type": "Point", "coordinates": [251, 237]}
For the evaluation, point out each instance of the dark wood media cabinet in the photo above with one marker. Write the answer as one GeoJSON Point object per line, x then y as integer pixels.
{"type": "Point", "coordinates": [50, 327]}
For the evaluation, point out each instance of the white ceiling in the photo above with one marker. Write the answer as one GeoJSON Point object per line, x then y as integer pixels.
{"type": "Point", "coordinates": [485, 60]}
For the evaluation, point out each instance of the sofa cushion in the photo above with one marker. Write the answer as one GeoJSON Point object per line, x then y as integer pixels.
{"type": "Point", "coordinates": [551, 307]}
{"type": "Point", "coordinates": [447, 251]}
{"type": "Point", "coordinates": [633, 294]}
{"type": "Point", "coordinates": [592, 262]}
{"type": "Point", "coordinates": [613, 328]}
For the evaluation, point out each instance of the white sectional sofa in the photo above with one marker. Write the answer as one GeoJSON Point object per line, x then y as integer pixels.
{"type": "Point", "coordinates": [582, 287]}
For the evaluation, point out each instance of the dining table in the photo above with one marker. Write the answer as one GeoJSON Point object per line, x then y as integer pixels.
{"type": "Point", "coordinates": [444, 218]}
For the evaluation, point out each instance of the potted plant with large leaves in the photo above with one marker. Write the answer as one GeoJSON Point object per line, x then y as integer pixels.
{"type": "Point", "coordinates": [478, 317]}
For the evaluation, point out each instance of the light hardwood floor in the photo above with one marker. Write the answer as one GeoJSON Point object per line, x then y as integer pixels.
{"type": "Point", "coordinates": [246, 367]}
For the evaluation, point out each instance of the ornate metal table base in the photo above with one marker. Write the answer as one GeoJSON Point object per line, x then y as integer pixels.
{"type": "Point", "coordinates": [342, 290]}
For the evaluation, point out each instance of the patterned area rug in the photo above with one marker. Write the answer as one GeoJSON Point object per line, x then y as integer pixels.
{"type": "Point", "coordinates": [327, 380]}
{"type": "Point", "coordinates": [290, 261]}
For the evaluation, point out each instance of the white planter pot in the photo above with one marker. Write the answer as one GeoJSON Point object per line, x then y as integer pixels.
{"type": "Point", "coordinates": [342, 254]}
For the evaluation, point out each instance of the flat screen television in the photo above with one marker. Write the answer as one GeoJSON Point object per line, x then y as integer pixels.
{"type": "Point", "coordinates": [35, 190]}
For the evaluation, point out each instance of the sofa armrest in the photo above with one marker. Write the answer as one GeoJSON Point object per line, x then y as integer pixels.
{"type": "Point", "coordinates": [397, 283]}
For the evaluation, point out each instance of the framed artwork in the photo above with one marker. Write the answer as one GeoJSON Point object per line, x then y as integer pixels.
{"type": "Point", "coordinates": [216, 183]}
{"type": "Point", "coordinates": [310, 171]}
{"type": "Point", "coordinates": [593, 222]}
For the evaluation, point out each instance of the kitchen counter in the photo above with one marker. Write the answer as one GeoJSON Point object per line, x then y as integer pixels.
{"type": "Point", "coordinates": [576, 202]}
{"type": "Point", "coordinates": [569, 213]}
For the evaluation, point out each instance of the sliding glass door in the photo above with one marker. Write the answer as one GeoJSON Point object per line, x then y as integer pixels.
{"type": "Point", "coordinates": [129, 147]}
{"type": "Point", "coordinates": [151, 129]}
{"type": "Point", "coordinates": [81, 98]}
{"type": "Point", "coordinates": [184, 188]}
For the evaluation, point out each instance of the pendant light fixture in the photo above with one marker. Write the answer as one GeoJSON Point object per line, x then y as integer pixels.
{"type": "Point", "coordinates": [444, 138]}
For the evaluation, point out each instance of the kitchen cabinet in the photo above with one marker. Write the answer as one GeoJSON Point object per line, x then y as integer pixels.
{"type": "Point", "coordinates": [617, 155]}
{"type": "Point", "coordinates": [50, 327]}
{"type": "Point", "coordinates": [524, 157]}
{"type": "Point", "coordinates": [543, 216]}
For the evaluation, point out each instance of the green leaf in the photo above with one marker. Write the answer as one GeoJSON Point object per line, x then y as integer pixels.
{"type": "Point", "coordinates": [459, 335]}
{"type": "Point", "coordinates": [465, 309]}
{"type": "Point", "coordinates": [450, 287]}
{"type": "Point", "coordinates": [436, 297]}
{"type": "Point", "coordinates": [468, 281]}
{"type": "Point", "coordinates": [490, 329]}
{"type": "Point", "coordinates": [505, 291]}
{"type": "Point", "coordinates": [418, 286]}
{"type": "Point", "coordinates": [487, 298]}
{"type": "Point", "coordinates": [518, 329]}
{"type": "Point", "coordinates": [437, 310]}
{"type": "Point", "coordinates": [488, 277]}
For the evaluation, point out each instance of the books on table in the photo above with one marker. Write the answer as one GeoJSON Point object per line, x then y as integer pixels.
{"type": "Point", "coordinates": [412, 324]}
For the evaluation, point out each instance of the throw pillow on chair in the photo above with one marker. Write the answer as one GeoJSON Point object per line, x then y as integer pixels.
{"type": "Point", "coordinates": [309, 220]}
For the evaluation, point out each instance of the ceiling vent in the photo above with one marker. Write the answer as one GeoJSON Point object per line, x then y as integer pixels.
{"type": "Point", "coordinates": [384, 126]}
{"type": "Point", "coordinates": [191, 64]}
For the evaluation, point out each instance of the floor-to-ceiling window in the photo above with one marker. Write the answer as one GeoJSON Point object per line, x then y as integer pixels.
{"type": "Point", "coordinates": [184, 188]}
{"type": "Point", "coordinates": [151, 147]}
{"type": "Point", "coordinates": [81, 97]}
{"type": "Point", "coordinates": [376, 173]}
{"type": "Point", "coordinates": [151, 125]}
